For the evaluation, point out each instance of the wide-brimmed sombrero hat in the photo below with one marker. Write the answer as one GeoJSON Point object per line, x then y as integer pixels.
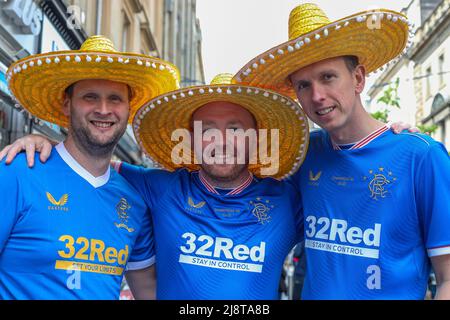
{"type": "Point", "coordinates": [376, 37]}
{"type": "Point", "coordinates": [155, 122]}
{"type": "Point", "coordinates": [38, 82]}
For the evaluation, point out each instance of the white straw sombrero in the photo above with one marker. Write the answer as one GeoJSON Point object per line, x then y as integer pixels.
{"type": "Point", "coordinates": [155, 122]}
{"type": "Point", "coordinates": [38, 82]}
{"type": "Point", "coordinates": [375, 37]}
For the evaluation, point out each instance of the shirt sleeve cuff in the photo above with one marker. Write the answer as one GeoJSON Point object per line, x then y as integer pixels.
{"type": "Point", "coordinates": [439, 251]}
{"type": "Point", "coordinates": [139, 265]}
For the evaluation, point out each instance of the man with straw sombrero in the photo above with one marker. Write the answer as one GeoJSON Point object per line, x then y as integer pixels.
{"type": "Point", "coordinates": [72, 227]}
{"type": "Point", "coordinates": [224, 227]}
{"type": "Point", "coordinates": [376, 205]}
{"type": "Point", "coordinates": [223, 224]}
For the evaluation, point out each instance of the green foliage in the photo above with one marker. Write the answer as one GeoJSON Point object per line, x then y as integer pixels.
{"type": "Point", "coordinates": [381, 115]}
{"type": "Point", "coordinates": [427, 129]}
{"type": "Point", "coordinates": [391, 99]}
{"type": "Point", "coordinates": [390, 95]}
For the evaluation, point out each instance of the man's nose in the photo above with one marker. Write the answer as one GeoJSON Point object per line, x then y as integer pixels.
{"type": "Point", "coordinates": [318, 93]}
{"type": "Point", "coordinates": [226, 140]}
{"type": "Point", "coordinates": [103, 107]}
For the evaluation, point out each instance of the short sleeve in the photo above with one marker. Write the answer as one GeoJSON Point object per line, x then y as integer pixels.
{"type": "Point", "coordinates": [432, 188]}
{"type": "Point", "coordinates": [143, 254]}
{"type": "Point", "coordinates": [297, 210]}
{"type": "Point", "coordinates": [299, 218]}
{"type": "Point", "coordinates": [10, 200]}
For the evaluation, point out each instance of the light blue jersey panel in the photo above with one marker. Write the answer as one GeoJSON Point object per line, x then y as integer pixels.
{"type": "Point", "coordinates": [374, 216]}
{"type": "Point", "coordinates": [67, 235]}
{"type": "Point", "coordinates": [217, 246]}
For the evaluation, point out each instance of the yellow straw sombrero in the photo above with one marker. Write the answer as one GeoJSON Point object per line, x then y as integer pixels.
{"type": "Point", "coordinates": [375, 37]}
{"type": "Point", "coordinates": [38, 82]}
{"type": "Point", "coordinates": [155, 122]}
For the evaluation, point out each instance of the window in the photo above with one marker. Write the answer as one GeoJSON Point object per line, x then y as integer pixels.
{"type": "Point", "coordinates": [2, 119]}
{"type": "Point", "coordinates": [444, 132]}
{"type": "Point", "coordinates": [4, 137]}
{"type": "Point", "coordinates": [441, 70]}
{"type": "Point", "coordinates": [125, 32]}
{"type": "Point", "coordinates": [428, 82]}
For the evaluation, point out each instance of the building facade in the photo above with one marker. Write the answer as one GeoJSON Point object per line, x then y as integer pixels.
{"type": "Point", "coordinates": [431, 56]}
{"type": "Point", "coordinates": [182, 40]}
{"type": "Point", "coordinates": [34, 26]}
{"type": "Point", "coordinates": [29, 27]}
{"type": "Point", "coordinates": [423, 72]}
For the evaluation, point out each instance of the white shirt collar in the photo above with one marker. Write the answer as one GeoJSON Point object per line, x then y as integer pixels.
{"type": "Point", "coordinates": [96, 182]}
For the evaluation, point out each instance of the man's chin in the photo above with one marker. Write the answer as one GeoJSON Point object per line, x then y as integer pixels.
{"type": "Point", "coordinates": [103, 142]}
{"type": "Point", "coordinates": [101, 145]}
{"type": "Point", "coordinates": [105, 139]}
{"type": "Point", "coordinates": [95, 142]}
{"type": "Point", "coordinates": [222, 171]}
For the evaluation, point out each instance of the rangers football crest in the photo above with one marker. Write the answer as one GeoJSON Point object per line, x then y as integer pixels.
{"type": "Point", "coordinates": [261, 209]}
{"type": "Point", "coordinates": [379, 182]}
{"type": "Point", "coordinates": [121, 209]}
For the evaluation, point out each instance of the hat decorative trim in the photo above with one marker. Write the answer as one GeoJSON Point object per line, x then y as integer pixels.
{"type": "Point", "coordinates": [252, 70]}
{"type": "Point", "coordinates": [304, 40]}
{"type": "Point", "coordinates": [78, 57]}
{"type": "Point", "coordinates": [38, 82]}
{"type": "Point", "coordinates": [210, 93]}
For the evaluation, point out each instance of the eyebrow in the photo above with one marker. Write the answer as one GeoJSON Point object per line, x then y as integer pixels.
{"type": "Point", "coordinates": [327, 71]}
{"type": "Point", "coordinates": [233, 122]}
{"type": "Point", "coordinates": [321, 73]}
{"type": "Point", "coordinates": [108, 95]}
{"type": "Point", "coordinates": [205, 122]}
{"type": "Point", "coordinates": [117, 95]}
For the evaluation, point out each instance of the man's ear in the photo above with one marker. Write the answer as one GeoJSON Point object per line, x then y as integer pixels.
{"type": "Point", "coordinates": [360, 78]}
{"type": "Point", "coordinates": [66, 105]}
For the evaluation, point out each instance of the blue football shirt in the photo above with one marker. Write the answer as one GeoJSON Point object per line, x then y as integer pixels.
{"type": "Point", "coordinates": [218, 245]}
{"type": "Point", "coordinates": [66, 234]}
{"type": "Point", "coordinates": [374, 214]}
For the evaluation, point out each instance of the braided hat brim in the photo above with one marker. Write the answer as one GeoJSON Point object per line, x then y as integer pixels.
{"type": "Point", "coordinates": [375, 43]}
{"type": "Point", "coordinates": [38, 82]}
{"type": "Point", "coordinates": [155, 122]}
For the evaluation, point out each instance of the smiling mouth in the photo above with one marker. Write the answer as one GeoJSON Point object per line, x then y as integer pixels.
{"type": "Point", "coordinates": [101, 124]}
{"type": "Point", "coordinates": [224, 157]}
{"type": "Point", "coordinates": [325, 111]}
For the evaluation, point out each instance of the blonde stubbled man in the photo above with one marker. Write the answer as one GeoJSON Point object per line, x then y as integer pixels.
{"type": "Point", "coordinates": [376, 204]}
{"type": "Point", "coordinates": [72, 227]}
